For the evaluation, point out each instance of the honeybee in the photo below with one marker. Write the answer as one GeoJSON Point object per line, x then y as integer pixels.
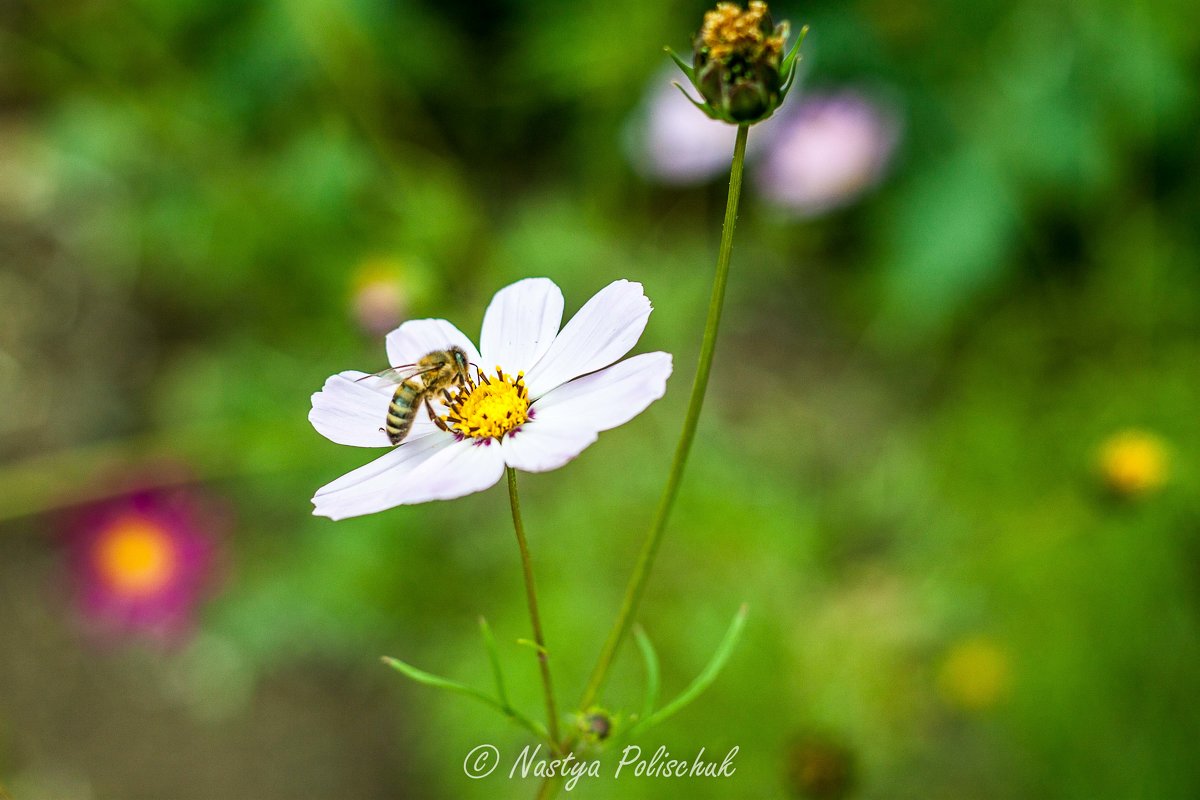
{"type": "Point", "coordinates": [420, 382]}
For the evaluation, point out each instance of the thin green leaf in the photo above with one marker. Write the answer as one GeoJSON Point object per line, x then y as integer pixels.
{"type": "Point", "coordinates": [650, 658]}
{"type": "Point", "coordinates": [437, 682]}
{"type": "Point", "coordinates": [531, 725]}
{"type": "Point", "coordinates": [789, 65]}
{"type": "Point", "coordinates": [535, 646]}
{"type": "Point", "coordinates": [707, 676]}
{"type": "Point", "coordinates": [789, 61]}
{"type": "Point", "coordinates": [489, 641]}
{"type": "Point", "coordinates": [683, 65]}
{"type": "Point", "coordinates": [705, 107]}
{"type": "Point", "coordinates": [787, 81]}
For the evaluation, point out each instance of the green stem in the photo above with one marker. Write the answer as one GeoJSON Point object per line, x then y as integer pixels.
{"type": "Point", "coordinates": [549, 788]}
{"type": "Point", "coordinates": [531, 597]}
{"type": "Point", "coordinates": [641, 572]}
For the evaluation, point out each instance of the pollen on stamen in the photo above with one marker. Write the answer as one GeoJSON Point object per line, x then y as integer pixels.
{"type": "Point", "coordinates": [489, 409]}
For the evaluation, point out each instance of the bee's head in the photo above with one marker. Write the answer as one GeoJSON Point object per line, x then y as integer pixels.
{"type": "Point", "coordinates": [459, 358]}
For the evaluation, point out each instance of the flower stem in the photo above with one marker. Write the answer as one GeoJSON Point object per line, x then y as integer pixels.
{"type": "Point", "coordinates": [531, 597]}
{"type": "Point", "coordinates": [641, 572]}
{"type": "Point", "coordinates": [548, 788]}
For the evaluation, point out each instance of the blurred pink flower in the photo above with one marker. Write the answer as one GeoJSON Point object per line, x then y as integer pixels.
{"type": "Point", "coordinates": [142, 563]}
{"type": "Point", "coordinates": [825, 152]}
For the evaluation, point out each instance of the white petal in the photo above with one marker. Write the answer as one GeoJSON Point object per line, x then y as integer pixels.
{"type": "Point", "coordinates": [520, 324]}
{"type": "Point", "coordinates": [418, 338]}
{"type": "Point", "coordinates": [568, 418]}
{"type": "Point", "coordinates": [349, 412]}
{"type": "Point", "coordinates": [602, 331]}
{"type": "Point", "coordinates": [610, 397]}
{"type": "Point", "coordinates": [351, 408]}
{"type": "Point", "coordinates": [542, 446]}
{"type": "Point", "coordinates": [430, 468]}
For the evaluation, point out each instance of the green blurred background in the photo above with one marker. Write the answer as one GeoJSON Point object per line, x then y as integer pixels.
{"type": "Point", "coordinates": [897, 468]}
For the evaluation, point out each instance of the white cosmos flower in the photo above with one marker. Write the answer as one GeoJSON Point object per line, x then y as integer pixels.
{"type": "Point", "coordinates": [559, 386]}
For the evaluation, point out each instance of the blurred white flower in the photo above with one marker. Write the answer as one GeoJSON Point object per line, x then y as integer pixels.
{"type": "Point", "coordinates": [550, 394]}
{"type": "Point", "coordinates": [815, 154]}
{"type": "Point", "coordinates": [825, 152]}
{"type": "Point", "coordinates": [671, 141]}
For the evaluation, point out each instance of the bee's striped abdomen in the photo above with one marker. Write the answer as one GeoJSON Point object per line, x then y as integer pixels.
{"type": "Point", "coordinates": [403, 408]}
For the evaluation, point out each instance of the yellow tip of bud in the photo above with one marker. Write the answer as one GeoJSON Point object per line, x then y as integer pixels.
{"type": "Point", "coordinates": [729, 28]}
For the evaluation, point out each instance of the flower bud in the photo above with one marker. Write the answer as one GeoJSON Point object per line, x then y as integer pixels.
{"type": "Point", "coordinates": [595, 725]}
{"type": "Point", "coordinates": [739, 66]}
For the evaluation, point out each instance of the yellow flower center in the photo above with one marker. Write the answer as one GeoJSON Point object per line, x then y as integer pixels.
{"type": "Point", "coordinates": [729, 28]}
{"type": "Point", "coordinates": [490, 408]}
{"type": "Point", "coordinates": [135, 557]}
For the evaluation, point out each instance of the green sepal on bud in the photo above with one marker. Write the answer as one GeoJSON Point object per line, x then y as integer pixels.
{"type": "Point", "coordinates": [739, 66]}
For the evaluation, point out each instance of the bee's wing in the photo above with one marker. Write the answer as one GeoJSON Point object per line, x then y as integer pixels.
{"type": "Point", "coordinates": [398, 374]}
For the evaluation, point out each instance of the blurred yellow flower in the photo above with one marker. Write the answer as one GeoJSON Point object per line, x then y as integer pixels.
{"type": "Point", "coordinates": [380, 295]}
{"type": "Point", "coordinates": [975, 674]}
{"type": "Point", "coordinates": [1133, 463]}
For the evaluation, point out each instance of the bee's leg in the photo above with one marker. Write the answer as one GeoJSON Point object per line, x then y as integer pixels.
{"type": "Point", "coordinates": [436, 419]}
